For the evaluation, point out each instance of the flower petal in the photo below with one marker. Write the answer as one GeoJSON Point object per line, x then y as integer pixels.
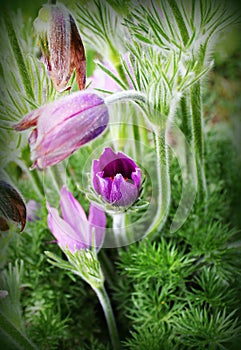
{"type": "Point", "coordinates": [62, 231]}
{"type": "Point", "coordinates": [112, 163]}
{"type": "Point", "coordinates": [123, 193]}
{"type": "Point", "coordinates": [74, 214]}
{"type": "Point", "coordinates": [97, 221]}
{"type": "Point", "coordinates": [60, 142]}
{"type": "Point", "coordinates": [136, 177]}
{"type": "Point", "coordinates": [102, 185]}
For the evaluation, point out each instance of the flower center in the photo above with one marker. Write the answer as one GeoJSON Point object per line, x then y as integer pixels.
{"type": "Point", "coordinates": [118, 166]}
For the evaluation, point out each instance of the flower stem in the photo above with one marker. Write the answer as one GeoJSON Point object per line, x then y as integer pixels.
{"type": "Point", "coordinates": [33, 176]}
{"type": "Point", "coordinates": [57, 176]}
{"type": "Point", "coordinates": [186, 128]}
{"type": "Point", "coordinates": [125, 96]}
{"type": "Point", "coordinates": [163, 178]}
{"type": "Point", "coordinates": [197, 132]}
{"type": "Point", "coordinates": [106, 306]}
{"type": "Point", "coordinates": [118, 225]}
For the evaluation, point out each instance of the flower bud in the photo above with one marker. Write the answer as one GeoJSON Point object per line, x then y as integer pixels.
{"type": "Point", "coordinates": [116, 178]}
{"type": "Point", "coordinates": [12, 207]}
{"type": "Point", "coordinates": [61, 45]}
{"type": "Point", "coordinates": [61, 127]}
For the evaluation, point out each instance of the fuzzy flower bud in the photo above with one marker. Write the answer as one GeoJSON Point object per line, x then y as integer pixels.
{"type": "Point", "coordinates": [116, 178]}
{"type": "Point", "coordinates": [62, 126]}
{"type": "Point", "coordinates": [61, 45]}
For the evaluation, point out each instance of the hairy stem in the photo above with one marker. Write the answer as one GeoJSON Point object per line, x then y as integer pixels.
{"type": "Point", "coordinates": [110, 319]}
{"type": "Point", "coordinates": [197, 134]}
{"type": "Point", "coordinates": [186, 128]}
{"type": "Point", "coordinates": [125, 96]}
{"type": "Point", "coordinates": [33, 176]}
{"type": "Point", "coordinates": [163, 186]}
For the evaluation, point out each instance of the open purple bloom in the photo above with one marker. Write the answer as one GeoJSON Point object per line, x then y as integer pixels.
{"type": "Point", "coordinates": [74, 230]}
{"type": "Point", "coordinates": [116, 178]}
{"type": "Point", "coordinates": [61, 127]}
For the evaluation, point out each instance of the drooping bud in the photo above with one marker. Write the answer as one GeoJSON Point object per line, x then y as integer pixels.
{"type": "Point", "coordinates": [61, 127]}
{"type": "Point", "coordinates": [61, 45]}
{"type": "Point", "coordinates": [12, 207]}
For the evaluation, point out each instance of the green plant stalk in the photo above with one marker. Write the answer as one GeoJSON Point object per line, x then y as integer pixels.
{"type": "Point", "coordinates": [197, 135]}
{"type": "Point", "coordinates": [18, 55]}
{"type": "Point", "coordinates": [56, 174]}
{"type": "Point", "coordinates": [13, 335]}
{"type": "Point", "coordinates": [110, 319]}
{"type": "Point", "coordinates": [129, 95]}
{"type": "Point", "coordinates": [163, 178]}
{"type": "Point", "coordinates": [186, 128]}
{"type": "Point", "coordinates": [118, 225]}
{"type": "Point", "coordinates": [33, 175]}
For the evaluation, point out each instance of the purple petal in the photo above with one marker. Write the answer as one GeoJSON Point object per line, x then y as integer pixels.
{"type": "Point", "coordinates": [136, 177]}
{"type": "Point", "coordinates": [103, 185]}
{"type": "Point", "coordinates": [62, 231]}
{"type": "Point", "coordinates": [123, 193]}
{"type": "Point", "coordinates": [97, 221]}
{"type": "Point", "coordinates": [58, 142]}
{"type": "Point", "coordinates": [74, 214]}
{"type": "Point", "coordinates": [113, 164]}
{"type": "Point", "coordinates": [65, 108]}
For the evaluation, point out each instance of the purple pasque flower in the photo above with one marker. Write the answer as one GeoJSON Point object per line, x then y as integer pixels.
{"type": "Point", "coordinates": [74, 230]}
{"type": "Point", "coordinates": [61, 127]}
{"type": "Point", "coordinates": [116, 178]}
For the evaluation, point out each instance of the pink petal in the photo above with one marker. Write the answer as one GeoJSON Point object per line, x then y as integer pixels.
{"type": "Point", "coordinates": [62, 231]}
{"type": "Point", "coordinates": [74, 214]}
{"type": "Point", "coordinates": [97, 221]}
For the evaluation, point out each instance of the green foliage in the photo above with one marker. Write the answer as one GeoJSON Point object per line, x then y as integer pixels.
{"type": "Point", "coordinates": [180, 290]}
{"type": "Point", "coordinates": [183, 290]}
